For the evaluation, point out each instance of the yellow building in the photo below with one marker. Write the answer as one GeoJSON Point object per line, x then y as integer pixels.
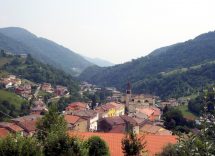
{"type": "Point", "coordinates": [111, 109]}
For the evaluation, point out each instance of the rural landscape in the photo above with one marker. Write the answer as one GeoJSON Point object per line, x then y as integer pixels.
{"type": "Point", "coordinates": [55, 101]}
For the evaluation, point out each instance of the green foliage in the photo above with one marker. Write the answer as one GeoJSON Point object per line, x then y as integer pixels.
{"type": "Point", "coordinates": [52, 133]}
{"type": "Point", "coordinates": [52, 122]}
{"type": "Point", "coordinates": [202, 143]}
{"type": "Point", "coordinates": [196, 105]}
{"type": "Point", "coordinates": [97, 147]}
{"type": "Point", "coordinates": [20, 146]}
{"type": "Point", "coordinates": [174, 120]}
{"type": "Point", "coordinates": [172, 71]}
{"type": "Point", "coordinates": [35, 71]}
{"type": "Point", "coordinates": [12, 105]}
{"type": "Point", "coordinates": [62, 145]}
{"type": "Point", "coordinates": [169, 150]}
{"type": "Point", "coordinates": [18, 40]}
{"type": "Point", "coordinates": [132, 145]}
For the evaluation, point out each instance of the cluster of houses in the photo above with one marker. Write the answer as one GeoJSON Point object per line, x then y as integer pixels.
{"type": "Point", "coordinates": [57, 91]}
{"type": "Point", "coordinates": [10, 81]}
{"type": "Point", "coordinates": [123, 113]}
{"type": "Point", "coordinates": [24, 88]}
{"type": "Point", "coordinates": [113, 118]}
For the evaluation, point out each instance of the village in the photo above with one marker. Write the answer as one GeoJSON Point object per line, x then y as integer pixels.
{"type": "Point", "coordinates": [122, 112]}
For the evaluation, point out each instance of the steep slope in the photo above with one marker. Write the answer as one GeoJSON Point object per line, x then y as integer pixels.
{"type": "Point", "coordinates": [36, 71]}
{"type": "Point", "coordinates": [141, 72]}
{"type": "Point", "coordinates": [18, 40]}
{"type": "Point", "coordinates": [99, 62]}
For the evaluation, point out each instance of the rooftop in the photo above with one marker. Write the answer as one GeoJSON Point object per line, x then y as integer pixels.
{"type": "Point", "coordinates": [3, 132]}
{"type": "Point", "coordinates": [11, 126]}
{"type": "Point", "coordinates": [154, 143]}
{"type": "Point", "coordinates": [71, 119]}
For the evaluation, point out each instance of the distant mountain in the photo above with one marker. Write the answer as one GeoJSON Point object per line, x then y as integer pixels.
{"type": "Point", "coordinates": [18, 40]}
{"type": "Point", "coordinates": [171, 71]}
{"type": "Point", "coordinates": [99, 62]}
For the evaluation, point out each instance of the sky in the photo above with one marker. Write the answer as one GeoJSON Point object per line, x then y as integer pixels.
{"type": "Point", "coordinates": [115, 30]}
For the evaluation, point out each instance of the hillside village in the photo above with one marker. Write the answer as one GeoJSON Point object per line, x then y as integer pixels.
{"type": "Point", "coordinates": [101, 111]}
{"type": "Point", "coordinates": [120, 113]}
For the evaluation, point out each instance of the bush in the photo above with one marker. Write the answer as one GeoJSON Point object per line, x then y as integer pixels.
{"type": "Point", "coordinates": [20, 146]}
{"type": "Point", "coordinates": [97, 147]}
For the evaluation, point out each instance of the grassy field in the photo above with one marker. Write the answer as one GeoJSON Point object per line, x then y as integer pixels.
{"type": "Point", "coordinates": [186, 113]}
{"type": "Point", "coordinates": [11, 98]}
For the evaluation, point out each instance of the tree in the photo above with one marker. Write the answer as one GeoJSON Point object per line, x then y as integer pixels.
{"type": "Point", "coordinates": [20, 146]}
{"type": "Point", "coordinates": [52, 133]}
{"type": "Point", "coordinates": [52, 122]}
{"type": "Point", "coordinates": [132, 145]}
{"type": "Point", "coordinates": [202, 143]}
{"type": "Point", "coordinates": [97, 147]}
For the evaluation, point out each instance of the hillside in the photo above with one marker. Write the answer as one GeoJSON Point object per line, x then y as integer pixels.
{"type": "Point", "coordinates": [11, 104]}
{"type": "Point", "coordinates": [18, 40]}
{"type": "Point", "coordinates": [150, 74]}
{"type": "Point", "coordinates": [36, 71]}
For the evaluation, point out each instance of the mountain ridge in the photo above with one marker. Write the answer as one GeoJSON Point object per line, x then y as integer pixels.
{"type": "Point", "coordinates": [43, 49]}
{"type": "Point", "coordinates": [186, 54]}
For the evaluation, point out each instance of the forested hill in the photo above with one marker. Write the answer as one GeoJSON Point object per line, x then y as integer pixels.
{"type": "Point", "coordinates": [167, 71]}
{"type": "Point", "coordinates": [18, 40]}
{"type": "Point", "coordinates": [36, 71]}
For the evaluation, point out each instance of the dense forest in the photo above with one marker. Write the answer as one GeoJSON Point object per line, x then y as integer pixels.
{"type": "Point", "coordinates": [171, 71]}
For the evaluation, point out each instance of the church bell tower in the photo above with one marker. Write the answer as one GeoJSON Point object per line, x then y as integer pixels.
{"type": "Point", "coordinates": [128, 94]}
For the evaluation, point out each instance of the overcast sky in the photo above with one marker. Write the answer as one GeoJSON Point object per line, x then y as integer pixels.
{"type": "Point", "coordinates": [115, 30]}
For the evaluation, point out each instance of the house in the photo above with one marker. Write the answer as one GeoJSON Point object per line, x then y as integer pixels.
{"type": "Point", "coordinates": [119, 108]}
{"type": "Point", "coordinates": [24, 91]}
{"type": "Point", "coordinates": [111, 109]}
{"type": "Point", "coordinates": [133, 102]}
{"type": "Point", "coordinates": [106, 110]}
{"type": "Point", "coordinates": [7, 84]}
{"type": "Point", "coordinates": [151, 113]}
{"type": "Point", "coordinates": [11, 81]}
{"type": "Point", "coordinates": [118, 124]}
{"type": "Point", "coordinates": [154, 143]}
{"type": "Point", "coordinates": [61, 90]}
{"type": "Point", "coordinates": [47, 87]}
{"type": "Point", "coordinates": [28, 123]}
{"type": "Point", "coordinates": [169, 103]}
{"type": "Point", "coordinates": [76, 123]}
{"type": "Point", "coordinates": [91, 116]}
{"type": "Point", "coordinates": [39, 107]}
{"type": "Point", "coordinates": [116, 96]}
{"type": "Point", "coordinates": [4, 132]}
{"type": "Point", "coordinates": [17, 82]}
{"type": "Point", "coordinates": [12, 127]}
{"type": "Point", "coordinates": [77, 106]}
{"type": "Point", "coordinates": [153, 129]}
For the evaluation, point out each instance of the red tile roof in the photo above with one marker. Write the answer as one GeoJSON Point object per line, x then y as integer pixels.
{"type": "Point", "coordinates": [117, 129]}
{"type": "Point", "coordinates": [76, 106]}
{"type": "Point", "coordinates": [28, 123]}
{"type": "Point", "coordinates": [154, 143]}
{"type": "Point", "coordinates": [11, 126]}
{"type": "Point", "coordinates": [71, 119]}
{"type": "Point", "coordinates": [152, 129]}
{"type": "Point", "coordinates": [3, 132]}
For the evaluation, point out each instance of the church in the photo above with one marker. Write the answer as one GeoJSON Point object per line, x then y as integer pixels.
{"type": "Point", "coordinates": [133, 102]}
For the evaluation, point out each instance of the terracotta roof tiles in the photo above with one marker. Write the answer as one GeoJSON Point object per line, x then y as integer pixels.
{"type": "Point", "coordinates": [154, 143]}
{"type": "Point", "coordinates": [3, 132]}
